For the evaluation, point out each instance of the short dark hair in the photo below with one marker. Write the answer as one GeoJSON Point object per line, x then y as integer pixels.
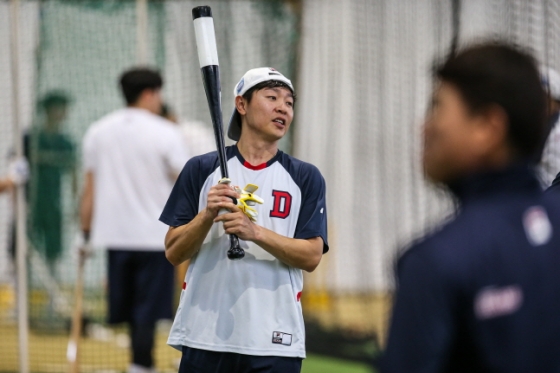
{"type": "Point", "coordinates": [264, 85]}
{"type": "Point", "coordinates": [55, 98]}
{"type": "Point", "coordinates": [136, 80]}
{"type": "Point", "coordinates": [497, 73]}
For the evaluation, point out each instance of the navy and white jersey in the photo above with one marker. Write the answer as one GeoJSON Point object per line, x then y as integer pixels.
{"type": "Point", "coordinates": [250, 306]}
{"type": "Point", "coordinates": [483, 293]}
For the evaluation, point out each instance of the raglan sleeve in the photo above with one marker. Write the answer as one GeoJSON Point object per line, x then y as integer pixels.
{"type": "Point", "coordinates": [312, 220]}
{"type": "Point", "coordinates": [422, 326]}
{"type": "Point", "coordinates": [182, 204]}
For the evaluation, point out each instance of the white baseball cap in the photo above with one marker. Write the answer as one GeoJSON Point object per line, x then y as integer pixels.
{"type": "Point", "coordinates": [248, 81]}
{"type": "Point", "coordinates": [551, 82]}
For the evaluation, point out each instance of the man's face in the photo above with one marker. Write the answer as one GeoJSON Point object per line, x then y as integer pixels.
{"type": "Point", "coordinates": [452, 141]}
{"type": "Point", "coordinates": [56, 115]}
{"type": "Point", "coordinates": [270, 113]}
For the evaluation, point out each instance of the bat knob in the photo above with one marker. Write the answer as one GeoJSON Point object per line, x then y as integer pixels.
{"type": "Point", "coordinates": [235, 252]}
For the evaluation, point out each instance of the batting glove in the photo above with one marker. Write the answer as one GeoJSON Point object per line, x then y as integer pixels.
{"type": "Point", "coordinates": [247, 199]}
{"type": "Point", "coordinates": [18, 170]}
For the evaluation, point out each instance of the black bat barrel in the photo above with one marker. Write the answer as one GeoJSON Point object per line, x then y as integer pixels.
{"type": "Point", "coordinates": [211, 79]}
{"type": "Point", "coordinates": [208, 59]}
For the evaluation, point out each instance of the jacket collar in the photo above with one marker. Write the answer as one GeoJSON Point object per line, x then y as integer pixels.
{"type": "Point", "coordinates": [516, 178]}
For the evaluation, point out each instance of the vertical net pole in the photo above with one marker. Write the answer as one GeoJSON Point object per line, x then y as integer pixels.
{"type": "Point", "coordinates": [456, 17]}
{"type": "Point", "coordinates": [142, 32]}
{"type": "Point", "coordinates": [21, 247]}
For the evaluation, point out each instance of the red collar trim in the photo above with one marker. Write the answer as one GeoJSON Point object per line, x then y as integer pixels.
{"type": "Point", "coordinates": [256, 168]}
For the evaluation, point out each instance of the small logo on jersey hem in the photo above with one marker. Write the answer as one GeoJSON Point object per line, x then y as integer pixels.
{"type": "Point", "coordinates": [281, 338]}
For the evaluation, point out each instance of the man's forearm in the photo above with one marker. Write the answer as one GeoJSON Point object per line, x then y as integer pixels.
{"type": "Point", "coordinates": [182, 242]}
{"type": "Point", "coordinates": [86, 203]}
{"type": "Point", "coordinates": [299, 253]}
{"type": "Point", "coordinates": [6, 184]}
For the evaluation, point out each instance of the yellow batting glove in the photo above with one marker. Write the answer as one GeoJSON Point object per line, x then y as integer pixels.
{"type": "Point", "coordinates": [247, 199]}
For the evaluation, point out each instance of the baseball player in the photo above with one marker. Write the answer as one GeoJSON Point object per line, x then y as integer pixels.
{"type": "Point", "coordinates": [245, 315]}
{"type": "Point", "coordinates": [481, 294]}
{"type": "Point", "coordinates": [52, 155]}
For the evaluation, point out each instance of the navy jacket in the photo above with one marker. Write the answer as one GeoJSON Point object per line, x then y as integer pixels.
{"type": "Point", "coordinates": [483, 293]}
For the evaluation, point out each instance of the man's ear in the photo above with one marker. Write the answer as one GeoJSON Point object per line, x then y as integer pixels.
{"type": "Point", "coordinates": [492, 127]}
{"type": "Point", "coordinates": [145, 94]}
{"type": "Point", "coordinates": [241, 105]}
{"type": "Point", "coordinates": [148, 92]}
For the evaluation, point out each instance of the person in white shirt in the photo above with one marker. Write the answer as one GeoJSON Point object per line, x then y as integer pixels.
{"type": "Point", "coordinates": [549, 165]}
{"type": "Point", "coordinates": [131, 158]}
{"type": "Point", "coordinates": [198, 136]}
{"type": "Point", "coordinates": [18, 173]}
{"type": "Point", "coordinates": [199, 139]}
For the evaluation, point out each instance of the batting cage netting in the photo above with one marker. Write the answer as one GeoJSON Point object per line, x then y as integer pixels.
{"type": "Point", "coordinates": [362, 72]}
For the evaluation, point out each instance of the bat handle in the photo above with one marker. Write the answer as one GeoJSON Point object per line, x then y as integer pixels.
{"type": "Point", "coordinates": [235, 252]}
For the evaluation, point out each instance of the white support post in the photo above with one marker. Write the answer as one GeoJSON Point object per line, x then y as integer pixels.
{"type": "Point", "coordinates": [142, 32]}
{"type": "Point", "coordinates": [21, 238]}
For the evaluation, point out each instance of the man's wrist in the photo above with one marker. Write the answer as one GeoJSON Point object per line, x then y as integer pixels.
{"type": "Point", "coordinates": [258, 233]}
{"type": "Point", "coordinates": [207, 216]}
{"type": "Point", "coordinates": [85, 234]}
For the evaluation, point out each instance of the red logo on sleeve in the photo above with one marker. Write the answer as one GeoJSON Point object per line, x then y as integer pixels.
{"type": "Point", "coordinates": [282, 204]}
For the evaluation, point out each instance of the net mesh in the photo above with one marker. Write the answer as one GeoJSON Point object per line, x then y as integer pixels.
{"type": "Point", "coordinates": [362, 73]}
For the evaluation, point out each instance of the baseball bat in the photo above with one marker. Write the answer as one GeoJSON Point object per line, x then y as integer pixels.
{"type": "Point", "coordinates": [208, 59]}
{"type": "Point", "coordinates": [72, 352]}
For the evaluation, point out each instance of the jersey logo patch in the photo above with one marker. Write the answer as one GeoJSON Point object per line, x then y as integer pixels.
{"type": "Point", "coordinates": [282, 204]}
{"type": "Point", "coordinates": [537, 226]}
{"type": "Point", "coordinates": [281, 338]}
{"type": "Point", "coordinates": [493, 302]}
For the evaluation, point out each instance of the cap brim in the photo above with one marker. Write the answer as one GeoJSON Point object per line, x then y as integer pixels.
{"type": "Point", "coordinates": [234, 129]}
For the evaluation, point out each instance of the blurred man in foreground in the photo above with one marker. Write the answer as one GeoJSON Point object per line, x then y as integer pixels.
{"type": "Point", "coordinates": [481, 294]}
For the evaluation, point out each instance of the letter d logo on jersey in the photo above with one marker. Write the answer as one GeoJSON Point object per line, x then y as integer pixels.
{"type": "Point", "coordinates": [282, 204]}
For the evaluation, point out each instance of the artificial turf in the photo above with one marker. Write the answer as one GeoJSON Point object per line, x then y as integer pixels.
{"type": "Point", "coordinates": [322, 364]}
